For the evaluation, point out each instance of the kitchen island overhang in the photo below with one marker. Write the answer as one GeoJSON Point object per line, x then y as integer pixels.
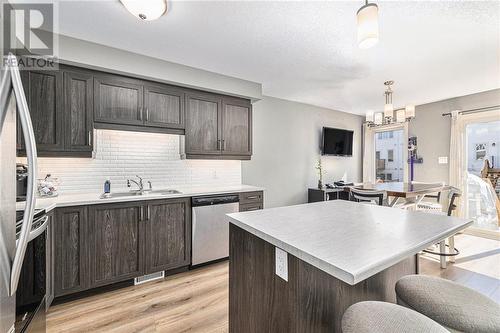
{"type": "Point", "coordinates": [339, 253]}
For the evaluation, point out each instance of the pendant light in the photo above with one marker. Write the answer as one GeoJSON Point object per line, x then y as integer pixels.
{"type": "Point", "coordinates": [388, 107]}
{"type": "Point", "coordinates": [405, 114]}
{"type": "Point", "coordinates": [146, 10]}
{"type": "Point", "coordinates": [367, 25]}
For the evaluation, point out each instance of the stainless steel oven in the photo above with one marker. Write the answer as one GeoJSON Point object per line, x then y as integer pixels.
{"type": "Point", "coordinates": [31, 291]}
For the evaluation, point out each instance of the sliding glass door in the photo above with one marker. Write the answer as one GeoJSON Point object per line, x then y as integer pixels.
{"type": "Point", "coordinates": [482, 142]}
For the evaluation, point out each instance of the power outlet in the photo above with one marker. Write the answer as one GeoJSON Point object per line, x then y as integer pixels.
{"type": "Point", "coordinates": [282, 264]}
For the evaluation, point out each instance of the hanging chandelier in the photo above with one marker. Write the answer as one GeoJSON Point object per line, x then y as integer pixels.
{"type": "Point", "coordinates": [387, 117]}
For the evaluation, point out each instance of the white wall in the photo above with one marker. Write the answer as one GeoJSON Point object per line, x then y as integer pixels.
{"type": "Point", "coordinates": [286, 140]}
{"type": "Point", "coordinates": [79, 52]}
{"type": "Point", "coordinates": [120, 155]}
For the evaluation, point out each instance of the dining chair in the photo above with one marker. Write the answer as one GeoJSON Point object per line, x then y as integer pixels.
{"type": "Point", "coordinates": [368, 196]}
{"type": "Point", "coordinates": [453, 195]}
{"type": "Point", "coordinates": [435, 204]}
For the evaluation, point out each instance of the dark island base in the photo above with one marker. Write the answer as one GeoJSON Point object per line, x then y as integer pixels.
{"type": "Point", "coordinates": [311, 300]}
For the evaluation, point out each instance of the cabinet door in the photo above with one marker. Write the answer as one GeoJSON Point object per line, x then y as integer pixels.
{"type": "Point", "coordinates": [78, 91]}
{"type": "Point", "coordinates": [118, 100]}
{"type": "Point", "coordinates": [236, 127]}
{"type": "Point", "coordinates": [203, 124]}
{"type": "Point", "coordinates": [164, 106]}
{"type": "Point", "coordinates": [115, 243]}
{"type": "Point", "coordinates": [168, 234]}
{"type": "Point", "coordinates": [71, 256]}
{"type": "Point", "coordinates": [44, 94]}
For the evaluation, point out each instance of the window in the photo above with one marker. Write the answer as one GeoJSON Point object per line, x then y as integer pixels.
{"type": "Point", "coordinates": [385, 135]}
{"type": "Point", "coordinates": [389, 150]}
{"type": "Point", "coordinates": [390, 155]}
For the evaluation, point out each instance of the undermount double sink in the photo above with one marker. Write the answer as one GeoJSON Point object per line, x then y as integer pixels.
{"type": "Point", "coordinates": [139, 193]}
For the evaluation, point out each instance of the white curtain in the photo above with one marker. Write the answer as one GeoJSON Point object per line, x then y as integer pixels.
{"type": "Point", "coordinates": [369, 155]}
{"type": "Point", "coordinates": [457, 149]}
{"type": "Point", "coordinates": [457, 158]}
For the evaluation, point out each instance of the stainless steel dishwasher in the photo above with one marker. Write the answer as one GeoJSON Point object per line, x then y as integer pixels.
{"type": "Point", "coordinates": [210, 229]}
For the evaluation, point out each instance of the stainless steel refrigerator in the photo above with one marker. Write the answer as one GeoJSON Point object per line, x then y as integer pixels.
{"type": "Point", "coordinates": [12, 252]}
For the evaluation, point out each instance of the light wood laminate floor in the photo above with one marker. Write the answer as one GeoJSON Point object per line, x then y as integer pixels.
{"type": "Point", "coordinates": [197, 301]}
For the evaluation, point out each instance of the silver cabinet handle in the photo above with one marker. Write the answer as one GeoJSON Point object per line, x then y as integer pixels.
{"type": "Point", "coordinates": [148, 212]}
{"type": "Point", "coordinates": [141, 212]}
{"type": "Point", "coordinates": [29, 139]}
{"type": "Point", "coordinates": [140, 113]}
{"type": "Point", "coordinates": [147, 114]}
{"type": "Point", "coordinates": [90, 138]}
{"type": "Point", "coordinates": [252, 197]}
{"type": "Point", "coordinates": [253, 208]}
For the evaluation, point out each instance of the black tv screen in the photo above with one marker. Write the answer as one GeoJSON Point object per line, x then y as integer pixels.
{"type": "Point", "coordinates": [336, 142]}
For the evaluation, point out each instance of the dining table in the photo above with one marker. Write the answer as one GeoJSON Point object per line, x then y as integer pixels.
{"type": "Point", "coordinates": [412, 193]}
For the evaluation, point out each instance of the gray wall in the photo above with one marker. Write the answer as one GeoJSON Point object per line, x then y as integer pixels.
{"type": "Point", "coordinates": [97, 56]}
{"type": "Point", "coordinates": [286, 139]}
{"type": "Point", "coordinates": [433, 131]}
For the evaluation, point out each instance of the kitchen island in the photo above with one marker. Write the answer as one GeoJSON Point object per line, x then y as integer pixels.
{"type": "Point", "coordinates": [337, 253]}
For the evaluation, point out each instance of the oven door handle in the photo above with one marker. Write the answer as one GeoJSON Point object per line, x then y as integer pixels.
{"type": "Point", "coordinates": [29, 139]}
{"type": "Point", "coordinates": [40, 230]}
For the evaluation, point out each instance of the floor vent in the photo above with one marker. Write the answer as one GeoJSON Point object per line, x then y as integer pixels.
{"type": "Point", "coordinates": [149, 277]}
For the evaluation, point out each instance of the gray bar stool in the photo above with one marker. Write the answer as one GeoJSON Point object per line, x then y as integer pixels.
{"type": "Point", "coordinates": [458, 308]}
{"type": "Point", "coordinates": [382, 317]}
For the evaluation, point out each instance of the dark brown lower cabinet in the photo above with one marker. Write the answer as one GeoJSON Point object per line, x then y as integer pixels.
{"type": "Point", "coordinates": [71, 256]}
{"type": "Point", "coordinates": [103, 244]}
{"type": "Point", "coordinates": [116, 240]}
{"type": "Point", "coordinates": [168, 234]}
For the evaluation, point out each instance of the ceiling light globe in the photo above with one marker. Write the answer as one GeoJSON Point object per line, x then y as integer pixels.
{"type": "Point", "coordinates": [367, 26]}
{"type": "Point", "coordinates": [146, 10]}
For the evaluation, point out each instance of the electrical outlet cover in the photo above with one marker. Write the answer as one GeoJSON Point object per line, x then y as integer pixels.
{"type": "Point", "coordinates": [282, 264]}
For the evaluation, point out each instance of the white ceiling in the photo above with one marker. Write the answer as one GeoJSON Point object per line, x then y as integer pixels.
{"type": "Point", "coordinates": [307, 52]}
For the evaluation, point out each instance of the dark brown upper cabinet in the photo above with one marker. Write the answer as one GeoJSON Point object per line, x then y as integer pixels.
{"type": "Point", "coordinates": [218, 127]}
{"type": "Point", "coordinates": [168, 234]}
{"type": "Point", "coordinates": [44, 95]}
{"type": "Point", "coordinates": [118, 100]}
{"type": "Point", "coordinates": [70, 247]}
{"type": "Point", "coordinates": [116, 242]}
{"type": "Point", "coordinates": [60, 105]}
{"type": "Point", "coordinates": [203, 125]}
{"type": "Point", "coordinates": [78, 106]}
{"type": "Point", "coordinates": [164, 106]}
{"type": "Point", "coordinates": [236, 127]}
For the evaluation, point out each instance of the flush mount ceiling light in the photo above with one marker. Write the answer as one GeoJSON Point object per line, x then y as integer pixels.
{"type": "Point", "coordinates": [367, 25]}
{"type": "Point", "coordinates": [387, 117]}
{"type": "Point", "coordinates": [146, 10]}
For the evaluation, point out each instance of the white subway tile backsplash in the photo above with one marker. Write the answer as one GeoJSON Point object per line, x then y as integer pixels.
{"type": "Point", "coordinates": [120, 155]}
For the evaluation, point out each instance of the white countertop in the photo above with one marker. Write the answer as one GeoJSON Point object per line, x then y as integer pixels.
{"type": "Point", "coordinates": [348, 240]}
{"type": "Point", "coordinates": [66, 200]}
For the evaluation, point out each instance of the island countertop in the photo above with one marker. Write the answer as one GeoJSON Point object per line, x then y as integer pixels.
{"type": "Point", "coordinates": [348, 240]}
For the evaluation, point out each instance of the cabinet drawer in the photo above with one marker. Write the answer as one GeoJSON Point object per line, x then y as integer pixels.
{"type": "Point", "coordinates": [251, 206]}
{"type": "Point", "coordinates": [251, 197]}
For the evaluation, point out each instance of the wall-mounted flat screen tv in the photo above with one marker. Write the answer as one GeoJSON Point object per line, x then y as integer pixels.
{"type": "Point", "coordinates": [336, 141]}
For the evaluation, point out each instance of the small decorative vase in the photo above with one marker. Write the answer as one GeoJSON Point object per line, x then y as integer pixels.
{"type": "Point", "coordinates": [320, 184]}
